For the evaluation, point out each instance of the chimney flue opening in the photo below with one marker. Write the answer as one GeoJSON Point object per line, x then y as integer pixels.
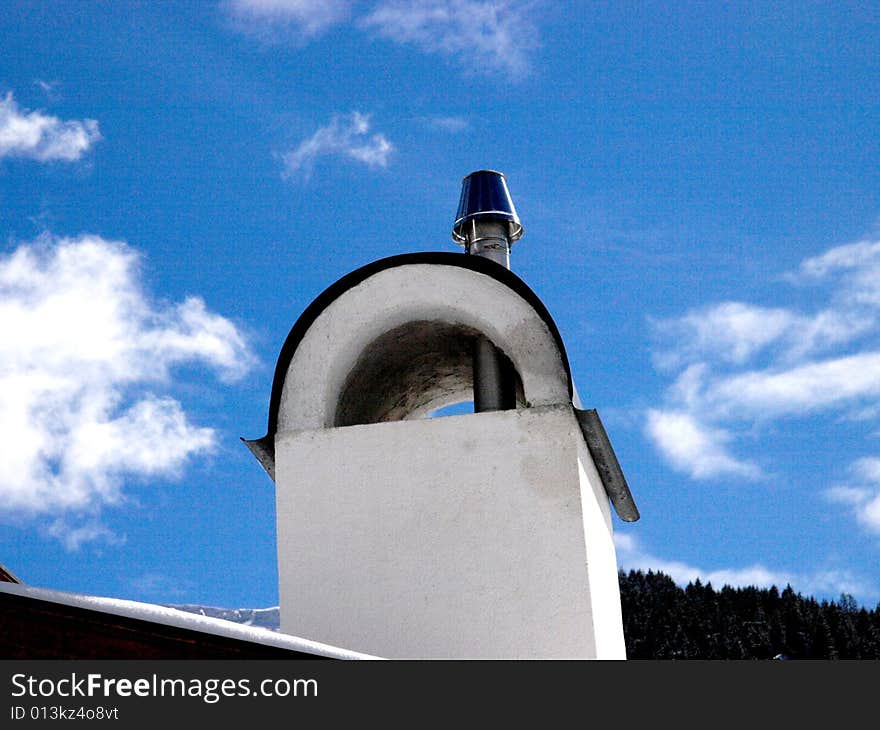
{"type": "Point", "coordinates": [486, 223]}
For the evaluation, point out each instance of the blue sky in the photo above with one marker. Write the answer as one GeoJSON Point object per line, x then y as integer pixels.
{"type": "Point", "coordinates": [700, 192]}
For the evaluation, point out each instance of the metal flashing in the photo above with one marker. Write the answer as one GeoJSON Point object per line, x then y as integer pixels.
{"type": "Point", "coordinates": [607, 465]}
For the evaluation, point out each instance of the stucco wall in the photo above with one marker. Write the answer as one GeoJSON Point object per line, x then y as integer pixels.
{"type": "Point", "coordinates": [461, 536]}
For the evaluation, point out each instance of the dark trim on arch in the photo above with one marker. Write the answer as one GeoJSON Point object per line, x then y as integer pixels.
{"type": "Point", "coordinates": [351, 280]}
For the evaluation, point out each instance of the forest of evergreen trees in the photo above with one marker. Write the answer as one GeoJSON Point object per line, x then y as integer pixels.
{"type": "Point", "coordinates": [663, 621]}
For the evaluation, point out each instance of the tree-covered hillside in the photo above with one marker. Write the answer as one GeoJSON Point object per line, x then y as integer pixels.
{"type": "Point", "coordinates": [663, 621]}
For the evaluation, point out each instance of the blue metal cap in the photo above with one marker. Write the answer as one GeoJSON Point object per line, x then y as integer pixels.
{"type": "Point", "coordinates": [484, 196]}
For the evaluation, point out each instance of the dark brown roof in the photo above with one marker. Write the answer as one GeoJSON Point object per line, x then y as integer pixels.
{"type": "Point", "coordinates": [6, 576]}
{"type": "Point", "coordinates": [44, 624]}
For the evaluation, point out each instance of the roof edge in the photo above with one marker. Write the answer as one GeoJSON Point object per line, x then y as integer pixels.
{"type": "Point", "coordinates": [7, 576]}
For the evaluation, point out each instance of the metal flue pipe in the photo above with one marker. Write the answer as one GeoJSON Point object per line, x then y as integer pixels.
{"type": "Point", "coordinates": [486, 225]}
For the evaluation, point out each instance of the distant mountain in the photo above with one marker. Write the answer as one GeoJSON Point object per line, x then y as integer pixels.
{"type": "Point", "coordinates": [266, 618]}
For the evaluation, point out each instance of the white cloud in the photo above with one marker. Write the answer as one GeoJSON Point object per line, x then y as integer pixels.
{"type": "Point", "coordinates": [492, 37]}
{"type": "Point", "coordinates": [741, 366]}
{"type": "Point", "coordinates": [853, 268]}
{"type": "Point", "coordinates": [631, 556]}
{"type": "Point", "coordinates": [272, 20]}
{"type": "Point", "coordinates": [38, 136]}
{"type": "Point", "coordinates": [344, 136]}
{"type": "Point", "coordinates": [848, 256]}
{"type": "Point", "coordinates": [867, 468]}
{"type": "Point", "coordinates": [731, 331]}
{"type": "Point", "coordinates": [85, 356]}
{"type": "Point", "coordinates": [852, 496]}
{"type": "Point", "coordinates": [483, 36]}
{"type": "Point", "coordinates": [799, 390]}
{"type": "Point", "coordinates": [862, 495]}
{"type": "Point", "coordinates": [73, 537]}
{"type": "Point", "coordinates": [694, 448]}
{"type": "Point", "coordinates": [735, 332]}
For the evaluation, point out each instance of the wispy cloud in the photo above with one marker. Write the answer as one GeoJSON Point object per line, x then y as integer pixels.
{"type": "Point", "coordinates": [73, 535]}
{"type": "Point", "coordinates": [85, 364]}
{"type": "Point", "coordinates": [693, 447]}
{"type": "Point", "coordinates": [739, 365]}
{"type": "Point", "coordinates": [480, 35]}
{"type": "Point", "coordinates": [345, 136]}
{"type": "Point", "coordinates": [274, 20]}
{"type": "Point", "coordinates": [735, 332]}
{"type": "Point", "coordinates": [38, 136]}
{"type": "Point", "coordinates": [632, 556]}
{"type": "Point", "coordinates": [447, 124]}
{"type": "Point", "coordinates": [159, 587]}
{"type": "Point", "coordinates": [862, 493]}
{"type": "Point", "coordinates": [858, 261]}
{"type": "Point", "coordinates": [49, 88]}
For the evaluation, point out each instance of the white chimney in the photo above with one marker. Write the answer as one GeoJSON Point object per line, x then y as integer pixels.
{"type": "Point", "coordinates": [486, 535]}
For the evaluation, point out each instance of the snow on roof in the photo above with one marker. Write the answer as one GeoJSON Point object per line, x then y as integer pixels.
{"type": "Point", "coordinates": [183, 620]}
